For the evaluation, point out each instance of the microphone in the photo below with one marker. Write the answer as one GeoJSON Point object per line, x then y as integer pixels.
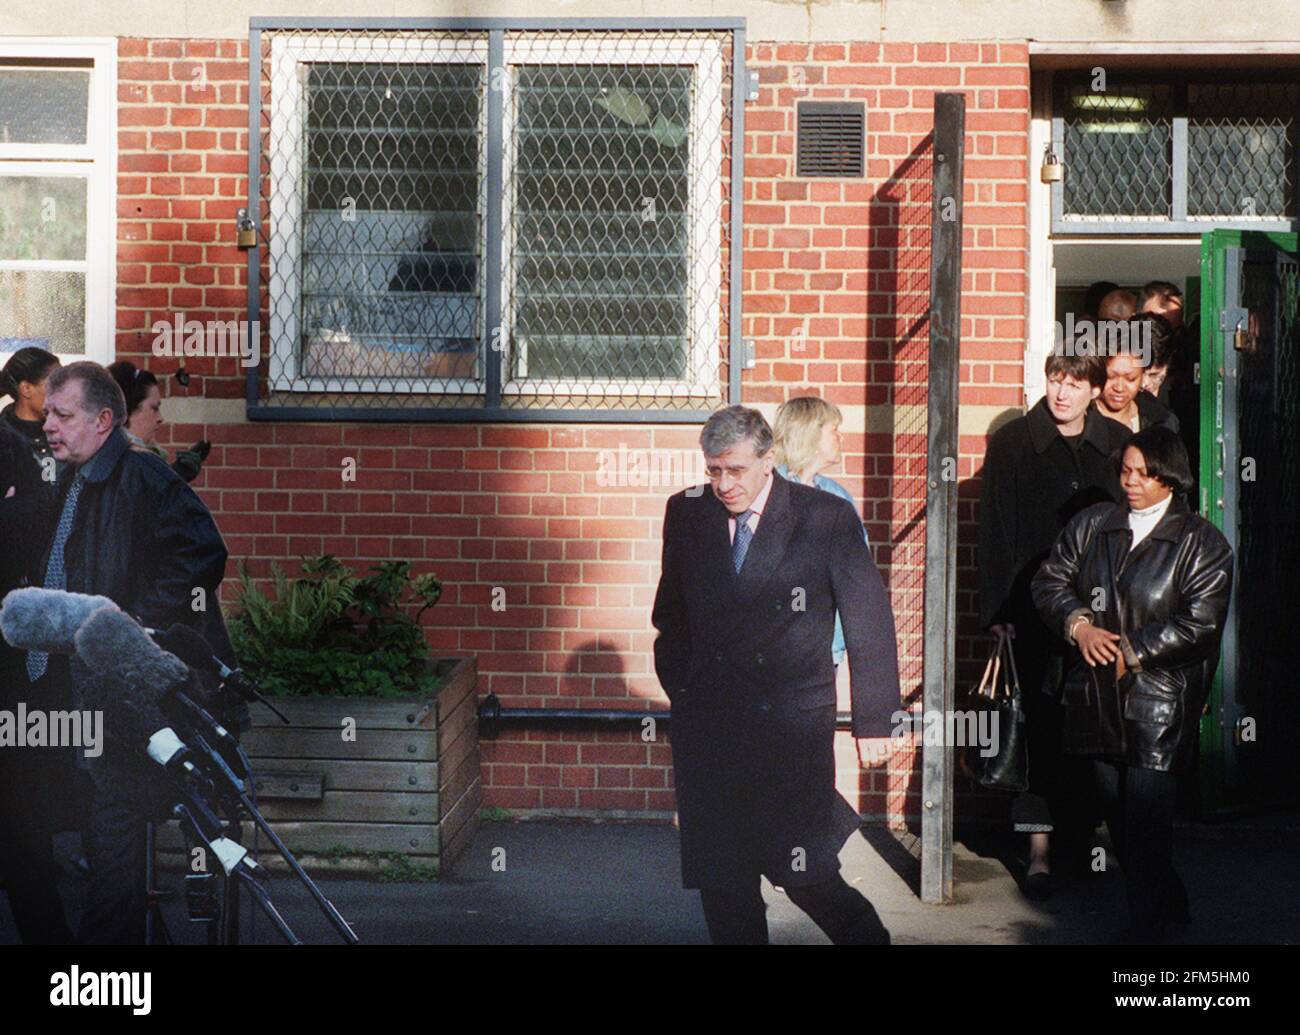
{"type": "Point", "coordinates": [47, 620]}
{"type": "Point", "coordinates": [195, 651]}
{"type": "Point", "coordinates": [131, 675]}
{"type": "Point", "coordinates": [191, 648]}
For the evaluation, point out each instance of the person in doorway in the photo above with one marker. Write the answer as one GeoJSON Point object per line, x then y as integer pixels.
{"type": "Point", "coordinates": [1039, 471]}
{"type": "Point", "coordinates": [1164, 299]}
{"type": "Point", "coordinates": [1092, 298]}
{"type": "Point", "coordinates": [1164, 341]}
{"type": "Point", "coordinates": [1117, 305]}
{"type": "Point", "coordinates": [1142, 661]}
{"type": "Point", "coordinates": [807, 430]}
{"type": "Point", "coordinates": [753, 574]}
{"type": "Point", "coordinates": [23, 378]}
{"type": "Point", "coordinates": [1122, 399]}
{"type": "Point", "coordinates": [144, 417]}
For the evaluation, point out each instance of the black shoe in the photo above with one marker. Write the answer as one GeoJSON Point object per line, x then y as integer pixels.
{"type": "Point", "coordinates": [1038, 887]}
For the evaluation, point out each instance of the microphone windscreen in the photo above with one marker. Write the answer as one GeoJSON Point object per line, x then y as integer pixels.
{"type": "Point", "coordinates": [130, 674]}
{"type": "Point", "coordinates": [47, 619]}
{"type": "Point", "coordinates": [189, 646]}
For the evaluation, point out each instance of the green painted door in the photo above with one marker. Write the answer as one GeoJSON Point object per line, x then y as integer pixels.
{"type": "Point", "coordinates": [1249, 486]}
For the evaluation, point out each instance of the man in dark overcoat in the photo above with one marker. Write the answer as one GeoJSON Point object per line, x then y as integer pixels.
{"type": "Point", "coordinates": [754, 570]}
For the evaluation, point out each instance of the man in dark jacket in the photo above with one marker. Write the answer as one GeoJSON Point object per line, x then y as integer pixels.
{"type": "Point", "coordinates": [753, 573]}
{"type": "Point", "coordinates": [29, 776]}
{"type": "Point", "coordinates": [130, 529]}
{"type": "Point", "coordinates": [1040, 470]}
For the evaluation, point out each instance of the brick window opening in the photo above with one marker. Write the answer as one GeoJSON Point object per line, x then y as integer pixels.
{"type": "Point", "coordinates": [411, 267]}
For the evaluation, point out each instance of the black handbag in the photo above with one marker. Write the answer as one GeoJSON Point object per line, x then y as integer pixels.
{"type": "Point", "coordinates": [1007, 769]}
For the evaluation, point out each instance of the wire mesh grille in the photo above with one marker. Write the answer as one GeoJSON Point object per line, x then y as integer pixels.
{"type": "Point", "coordinates": [1117, 152]}
{"type": "Point", "coordinates": [1123, 145]}
{"type": "Point", "coordinates": [613, 187]}
{"type": "Point", "coordinates": [1268, 546]}
{"type": "Point", "coordinates": [1241, 137]}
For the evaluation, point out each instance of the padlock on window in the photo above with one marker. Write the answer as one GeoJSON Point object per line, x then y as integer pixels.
{"type": "Point", "coordinates": [1052, 171]}
{"type": "Point", "coordinates": [245, 231]}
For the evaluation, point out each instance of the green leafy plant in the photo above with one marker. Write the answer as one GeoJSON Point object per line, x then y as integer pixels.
{"type": "Point", "coordinates": [332, 632]}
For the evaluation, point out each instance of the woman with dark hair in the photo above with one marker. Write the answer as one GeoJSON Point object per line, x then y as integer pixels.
{"type": "Point", "coordinates": [23, 378]}
{"type": "Point", "coordinates": [1164, 340]}
{"type": "Point", "coordinates": [1039, 471]}
{"type": "Point", "coordinates": [1122, 399]}
{"type": "Point", "coordinates": [144, 417]}
{"type": "Point", "coordinates": [1141, 589]}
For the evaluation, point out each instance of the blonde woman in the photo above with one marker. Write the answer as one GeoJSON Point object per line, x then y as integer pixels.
{"type": "Point", "coordinates": [807, 432]}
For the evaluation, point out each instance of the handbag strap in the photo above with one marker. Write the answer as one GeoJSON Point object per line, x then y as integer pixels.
{"type": "Point", "coordinates": [1014, 686]}
{"type": "Point", "coordinates": [983, 690]}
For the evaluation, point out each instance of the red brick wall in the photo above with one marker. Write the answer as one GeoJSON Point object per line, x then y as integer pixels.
{"type": "Point", "coordinates": [835, 291]}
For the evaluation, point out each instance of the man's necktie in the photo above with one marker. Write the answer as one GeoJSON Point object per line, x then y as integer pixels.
{"type": "Point", "coordinates": [740, 545]}
{"type": "Point", "coordinates": [55, 575]}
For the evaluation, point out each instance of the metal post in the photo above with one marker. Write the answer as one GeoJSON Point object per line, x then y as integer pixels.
{"type": "Point", "coordinates": [941, 494]}
{"type": "Point", "coordinates": [494, 345]}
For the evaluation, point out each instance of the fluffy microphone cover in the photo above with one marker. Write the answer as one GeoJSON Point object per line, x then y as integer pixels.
{"type": "Point", "coordinates": [47, 619]}
{"type": "Point", "coordinates": [129, 674]}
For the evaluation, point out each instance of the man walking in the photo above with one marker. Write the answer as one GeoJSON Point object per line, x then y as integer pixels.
{"type": "Point", "coordinates": [127, 527]}
{"type": "Point", "coordinates": [753, 574]}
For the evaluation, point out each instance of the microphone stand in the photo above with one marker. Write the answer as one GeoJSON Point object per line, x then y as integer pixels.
{"type": "Point", "coordinates": [213, 776]}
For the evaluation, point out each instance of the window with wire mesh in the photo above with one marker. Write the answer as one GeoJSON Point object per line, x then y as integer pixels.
{"type": "Point", "coordinates": [612, 201]}
{"type": "Point", "coordinates": [1124, 145]}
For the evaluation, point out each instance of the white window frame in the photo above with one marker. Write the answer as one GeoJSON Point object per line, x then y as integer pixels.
{"type": "Point", "coordinates": [287, 152]}
{"type": "Point", "coordinates": [95, 161]}
{"type": "Point", "coordinates": [705, 182]}
{"type": "Point", "coordinates": [285, 207]}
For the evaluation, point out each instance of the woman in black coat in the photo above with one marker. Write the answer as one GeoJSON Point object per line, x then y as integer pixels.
{"type": "Point", "coordinates": [1040, 470]}
{"type": "Point", "coordinates": [1141, 589]}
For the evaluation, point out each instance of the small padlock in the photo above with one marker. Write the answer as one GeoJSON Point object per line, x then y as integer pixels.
{"type": "Point", "coordinates": [1052, 171]}
{"type": "Point", "coordinates": [1246, 337]}
{"type": "Point", "coordinates": [245, 231]}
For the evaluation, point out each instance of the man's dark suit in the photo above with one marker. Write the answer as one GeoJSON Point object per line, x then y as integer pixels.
{"type": "Point", "coordinates": [746, 662]}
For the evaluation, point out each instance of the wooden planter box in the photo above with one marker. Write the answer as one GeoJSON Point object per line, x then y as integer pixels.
{"type": "Point", "coordinates": [406, 784]}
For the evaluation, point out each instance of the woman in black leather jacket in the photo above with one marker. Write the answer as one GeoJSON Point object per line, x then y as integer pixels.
{"type": "Point", "coordinates": [1141, 589]}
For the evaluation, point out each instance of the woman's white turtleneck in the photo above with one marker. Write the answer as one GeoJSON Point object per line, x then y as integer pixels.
{"type": "Point", "coordinates": [1143, 521]}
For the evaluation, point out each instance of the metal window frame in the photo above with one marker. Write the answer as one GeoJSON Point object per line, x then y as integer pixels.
{"type": "Point", "coordinates": [492, 411]}
{"type": "Point", "coordinates": [1178, 223]}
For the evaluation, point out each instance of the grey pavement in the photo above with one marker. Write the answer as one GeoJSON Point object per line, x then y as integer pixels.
{"type": "Point", "coordinates": [568, 882]}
